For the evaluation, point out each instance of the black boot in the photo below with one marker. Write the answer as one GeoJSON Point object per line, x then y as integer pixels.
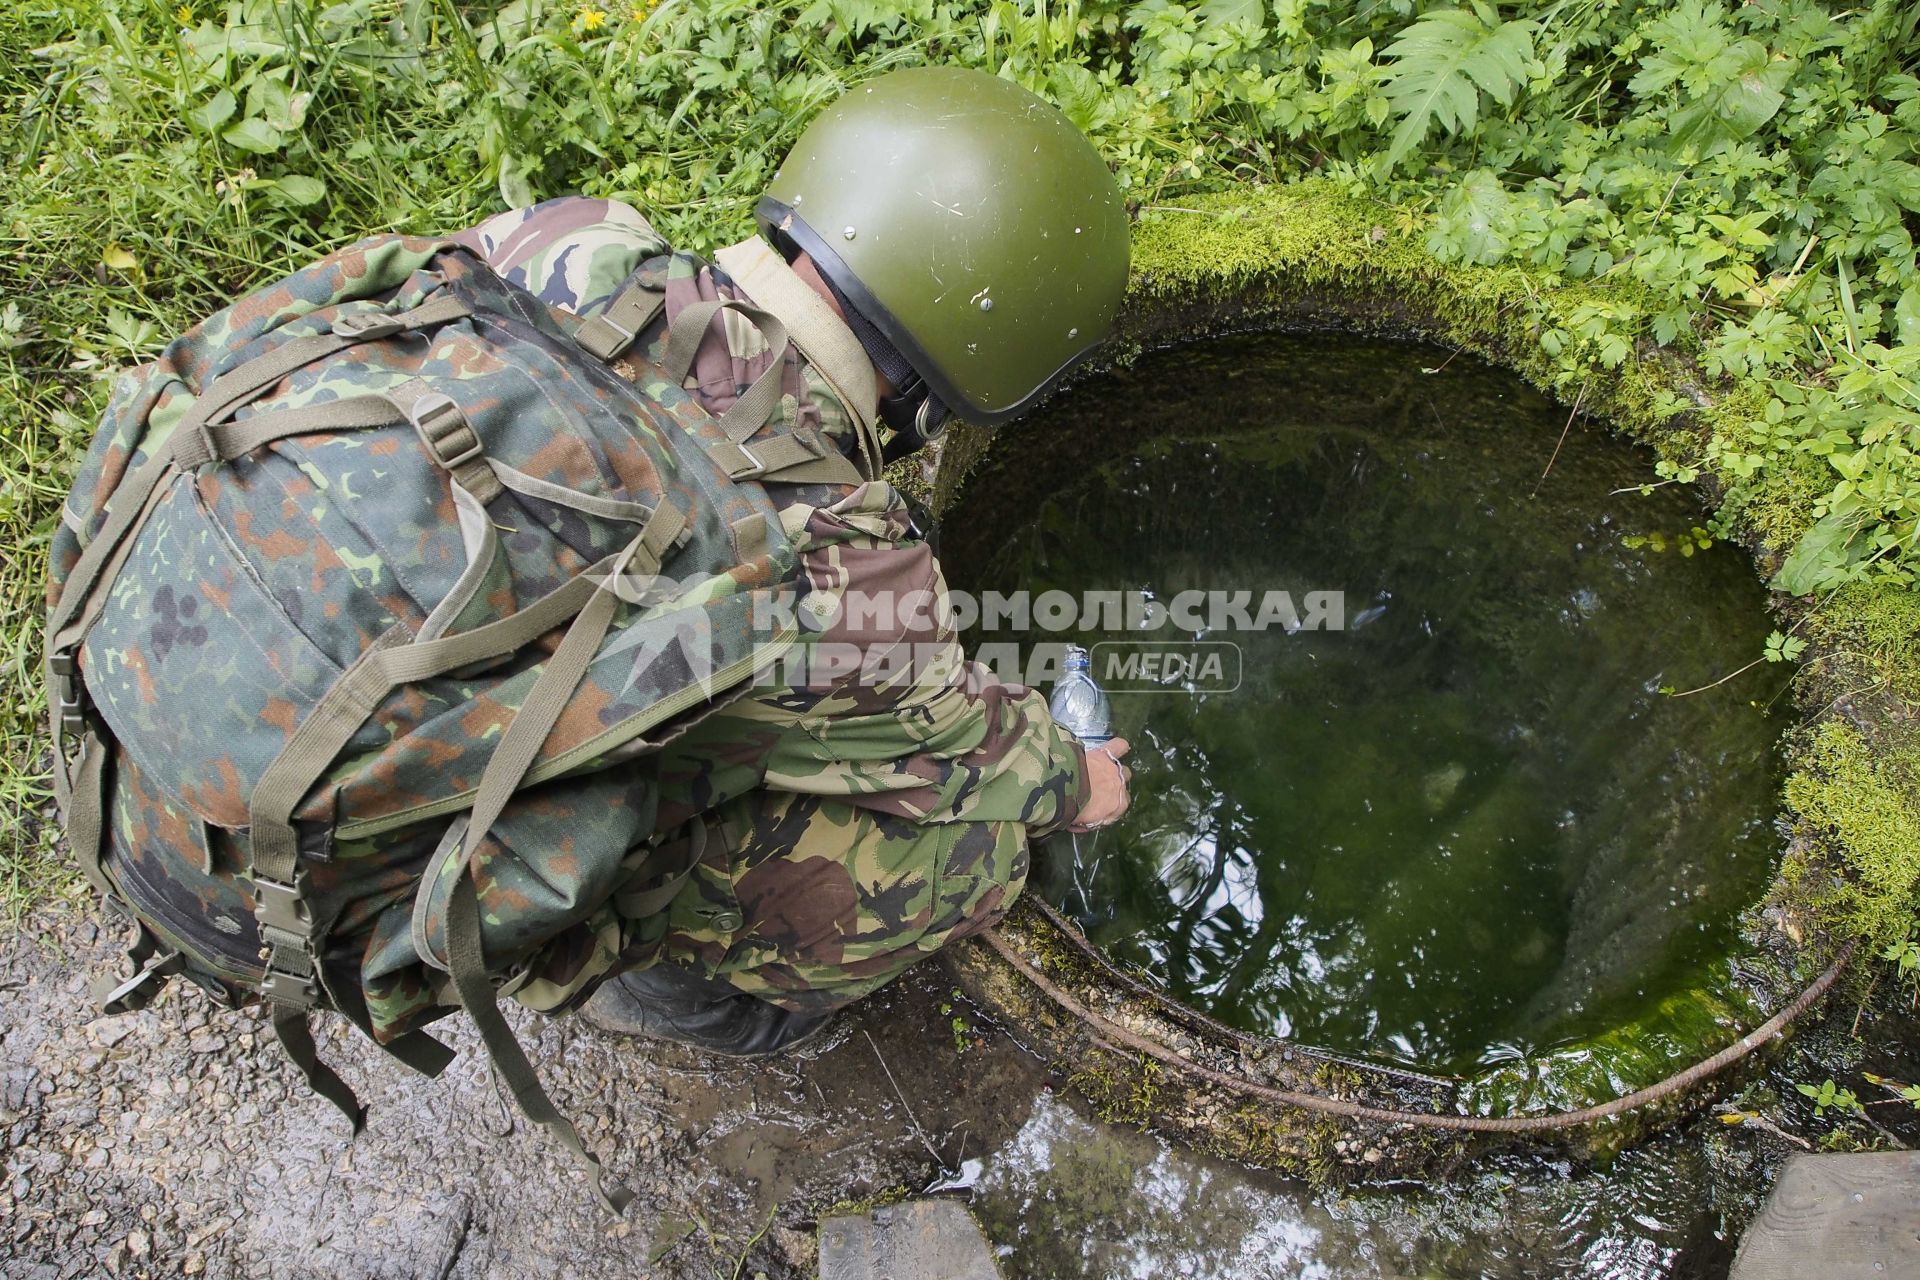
{"type": "Point", "coordinates": [674, 1004]}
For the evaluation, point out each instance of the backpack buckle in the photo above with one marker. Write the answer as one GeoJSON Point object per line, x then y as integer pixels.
{"type": "Point", "coordinates": [285, 988]}
{"type": "Point", "coordinates": [754, 466]}
{"type": "Point", "coordinates": [368, 326]}
{"type": "Point", "coordinates": [444, 429]}
{"type": "Point", "coordinates": [282, 912]}
{"type": "Point", "coordinates": [602, 338]}
{"type": "Point", "coordinates": [70, 700]}
{"type": "Point", "coordinates": [286, 938]}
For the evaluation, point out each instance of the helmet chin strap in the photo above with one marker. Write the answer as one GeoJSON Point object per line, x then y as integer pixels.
{"type": "Point", "coordinates": [916, 415]}
{"type": "Point", "coordinates": [922, 426]}
{"type": "Point", "coordinates": [914, 412]}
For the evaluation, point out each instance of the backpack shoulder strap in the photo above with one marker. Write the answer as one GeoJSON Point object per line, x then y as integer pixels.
{"type": "Point", "coordinates": [822, 337]}
{"type": "Point", "coordinates": [795, 457]}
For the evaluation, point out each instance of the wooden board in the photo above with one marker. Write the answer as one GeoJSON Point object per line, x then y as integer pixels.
{"type": "Point", "coordinates": [1837, 1218]}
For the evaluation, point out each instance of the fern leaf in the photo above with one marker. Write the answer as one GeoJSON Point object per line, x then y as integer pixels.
{"type": "Point", "coordinates": [1444, 62]}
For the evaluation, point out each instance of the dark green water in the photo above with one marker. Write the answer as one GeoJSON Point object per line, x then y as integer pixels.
{"type": "Point", "coordinates": [1466, 829]}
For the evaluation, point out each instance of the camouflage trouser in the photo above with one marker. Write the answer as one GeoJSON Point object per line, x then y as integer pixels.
{"type": "Point", "coordinates": [811, 903]}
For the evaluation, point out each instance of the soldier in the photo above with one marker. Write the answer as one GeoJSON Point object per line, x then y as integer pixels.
{"type": "Point", "coordinates": [939, 243]}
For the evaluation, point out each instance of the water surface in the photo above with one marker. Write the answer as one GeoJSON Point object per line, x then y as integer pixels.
{"type": "Point", "coordinates": [1473, 824]}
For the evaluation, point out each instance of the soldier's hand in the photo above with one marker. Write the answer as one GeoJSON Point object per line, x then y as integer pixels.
{"type": "Point", "coordinates": [1107, 780]}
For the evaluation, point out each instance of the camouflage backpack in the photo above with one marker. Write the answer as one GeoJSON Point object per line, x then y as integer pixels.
{"type": "Point", "coordinates": [367, 590]}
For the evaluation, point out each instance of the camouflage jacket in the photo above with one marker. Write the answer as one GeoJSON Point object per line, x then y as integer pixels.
{"type": "Point", "coordinates": [941, 739]}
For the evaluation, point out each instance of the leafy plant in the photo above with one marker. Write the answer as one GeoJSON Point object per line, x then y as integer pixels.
{"type": "Point", "coordinates": [1904, 954]}
{"type": "Point", "coordinates": [1907, 1093]}
{"type": "Point", "coordinates": [1722, 88]}
{"type": "Point", "coordinates": [1784, 648]}
{"type": "Point", "coordinates": [1444, 62]}
{"type": "Point", "coordinates": [957, 1022]}
{"type": "Point", "coordinates": [1828, 1096]}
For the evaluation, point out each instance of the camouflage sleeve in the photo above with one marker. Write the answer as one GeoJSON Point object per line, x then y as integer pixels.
{"type": "Point", "coordinates": [571, 252]}
{"type": "Point", "coordinates": [980, 751]}
{"type": "Point", "coordinates": [886, 711]}
{"type": "Point", "coordinates": [973, 751]}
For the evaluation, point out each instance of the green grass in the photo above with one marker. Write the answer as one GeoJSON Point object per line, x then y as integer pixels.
{"type": "Point", "coordinates": [116, 232]}
{"type": "Point", "coordinates": [37, 428]}
{"type": "Point", "coordinates": [1654, 205]}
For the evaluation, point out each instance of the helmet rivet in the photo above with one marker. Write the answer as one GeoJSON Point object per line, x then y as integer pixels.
{"type": "Point", "coordinates": [1076, 231]}
{"type": "Point", "coordinates": [848, 233]}
{"type": "Point", "coordinates": [1073, 333]}
{"type": "Point", "coordinates": [986, 304]}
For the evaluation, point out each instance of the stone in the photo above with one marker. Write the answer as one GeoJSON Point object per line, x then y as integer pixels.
{"type": "Point", "coordinates": [918, 1240]}
{"type": "Point", "coordinates": [108, 1032]}
{"type": "Point", "coordinates": [1838, 1217]}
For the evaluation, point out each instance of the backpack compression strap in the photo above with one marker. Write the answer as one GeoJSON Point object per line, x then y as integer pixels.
{"type": "Point", "coordinates": [590, 600]}
{"type": "Point", "coordinates": [607, 336]}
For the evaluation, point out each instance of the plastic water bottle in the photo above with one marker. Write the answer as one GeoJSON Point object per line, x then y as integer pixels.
{"type": "Point", "coordinates": [1078, 704]}
{"type": "Point", "coordinates": [1080, 707]}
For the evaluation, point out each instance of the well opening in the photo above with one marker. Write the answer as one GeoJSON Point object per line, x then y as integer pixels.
{"type": "Point", "coordinates": [1451, 805]}
{"type": "Point", "coordinates": [1476, 841]}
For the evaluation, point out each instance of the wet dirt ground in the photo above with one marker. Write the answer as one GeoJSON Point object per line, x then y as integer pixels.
{"type": "Point", "coordinates": [177, 1141]}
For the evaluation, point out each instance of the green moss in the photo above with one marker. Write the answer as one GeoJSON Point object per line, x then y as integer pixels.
{"type": "Point", "coordinates": [1120, 1088]}
{"type": "Point", "coordinates": [1868, 802]}
{"type": "Point", "coordinates": [866, 1204]}
{"type": "Point", "coordinates": [1282, 248]}
{"type": "Point", "coordinates": [1876, 631]}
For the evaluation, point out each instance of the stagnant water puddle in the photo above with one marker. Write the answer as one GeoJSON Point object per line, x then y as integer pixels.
{"type": "Point", "coordinates": [1472, 815]}
{"type": "Point", "coordinates": [1068, 1198]}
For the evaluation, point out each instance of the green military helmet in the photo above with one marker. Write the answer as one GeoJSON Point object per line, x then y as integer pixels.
{"type": "Point", "coordinates": [969, 222]}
